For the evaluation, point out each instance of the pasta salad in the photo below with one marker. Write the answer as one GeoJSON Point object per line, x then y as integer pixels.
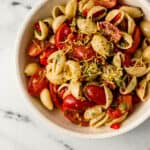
{"type": "Point", "coordinates": [91, 60]}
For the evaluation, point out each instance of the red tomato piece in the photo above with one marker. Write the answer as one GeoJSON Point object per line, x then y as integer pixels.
{"type": "Point", "coordinates": [53, 91]}
{"type": "Point", "coordinates": [136, 99]}
{"type": "Point", "coordinates": [71, 103]}
{"type": "Point", "coordinates": [76, 117]}
{"type": "Point", "coordinates": [95, 93]}
{"type": "Point", "coordinates": [110, 31]}
{"type": "Point", "coordinates": [73, 116]}
{"type": "Point", "coordinates": [85, 12]}
{"type": "Point", "coordinates": [136, 40]}
{"type": "Point", "coordinates": [128, 101]}
{"type": "Point", "coordinates": [49, 49]}
{"type": "Point", "coordinates": [61, 35]}
{"type": "Point", "coordinates": [106, 3]}
{"type": "Point", "coordinates": [35, 48]}
{"type": "Point", "coordinates": [127, 60]}
{"type": "Point", "coordinates": [115, 126]}
{"type": "Point", "coordinates": [114, 113]}
{"type": "Point", "coordinates": [83, 53]}
{"type": "Point", "coordinates": [37, 27]}
{"type": "Point", "coordinates": [37, 82]}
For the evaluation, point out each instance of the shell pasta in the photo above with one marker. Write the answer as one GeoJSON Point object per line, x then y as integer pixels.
{"type": "Point", "coordinates": [91, 60]}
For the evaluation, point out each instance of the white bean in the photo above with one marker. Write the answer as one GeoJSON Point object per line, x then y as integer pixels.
{"type": "Point", "coordinates": [31, 68]}
{"type": "Point", "coordinates": [46, 99]}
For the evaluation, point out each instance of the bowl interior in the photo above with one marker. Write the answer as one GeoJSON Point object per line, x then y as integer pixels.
{"type": "Point", "coordinates": [56, 117]}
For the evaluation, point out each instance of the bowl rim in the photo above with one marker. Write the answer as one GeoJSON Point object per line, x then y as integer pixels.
{"type": "Point", "coordinates": [36, 114]}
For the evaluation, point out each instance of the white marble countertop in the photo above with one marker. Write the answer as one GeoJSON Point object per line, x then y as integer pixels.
{"type": "Point", "coordinates": [18, 130]}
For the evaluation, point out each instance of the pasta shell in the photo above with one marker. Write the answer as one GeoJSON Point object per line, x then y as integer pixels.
{"type": "Point", "coordinates": [72, 70]}
{"type": "Point", "coordinates": [117, 59]}
{"type": "Point", "coordinates": [49, 21]}
{"type": "Point", "coordinates": [134, 12]}
{"type": "Point", "coordinates": [126, 89]}
{"type": "Point", "coordinates": [44, 31]}
{"type": "Point", "coordinates": [75, 89]}
{"type": "Point", "coordinates": [57, 61]}
{"type": "Point", "coordinates": [46, 99]}
{"type": "Point", "coordinates": [97, 119]}
{"type": "Point", "coordinates": [96, 13]}
{"type": "Point", "coordinates": [138, 69]}
{"type": "Point", "coordinates": [92, 112]}
{"type": "Point", "coordinates": [31, 68]}
{"type": "Point", "coordinates": [118, 120]}
{"type": "Point", "coordinates": [71, 9]}
{"type": "Point", "coordinates": [101, 45]}
{"type": "Point", "coordinates": [146, 54]}
{"type": "Point", "coordinates": [58, 11]}
{"type": "Point", "coordinates": [58, 21]}
{"type": "Point", "coordinates": [88, 5]}
{"type": "Point", "coordinates": [131, 24]}
{"type": "Point", "coordinates": [126, 41]}
{"type": "Point", "coordinates": [143, 89]}
{"type": "Point", "coordinates": [145, 27]}
{"type": "Point", "coordinates": [111, 73]}
{"type": "Point", "coordinates": [52, 39]}
{"type": "Point", "coordinates": [111, 16]}
{"type": "Point", "coordinates": [55, 79]}
{"type": "Point", "coordinates": [109, 97]}
{"type": "Point", "coordinates": [101, 122]}
{"type": "Point", "coordinates": [86, 26]}
{"type": "Point", "coordinates": [67, 92]}
{"type": "Point", "coordinates": [145, 43]}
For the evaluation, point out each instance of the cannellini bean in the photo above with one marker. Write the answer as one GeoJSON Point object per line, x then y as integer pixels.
{"type": "Point", "coordinates": [46, 99]}
{"type": "Point", "coordinates": [145, 27]}
{"type": "Point", "coordinates": [31, 68]}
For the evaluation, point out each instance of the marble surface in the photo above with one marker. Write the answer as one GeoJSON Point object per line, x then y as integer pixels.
{"type": "Point", "coordinates": [18, 128]}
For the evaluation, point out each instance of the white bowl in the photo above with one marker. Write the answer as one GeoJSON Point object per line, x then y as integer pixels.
{"type": "Point", "coordinates": [55, 120]}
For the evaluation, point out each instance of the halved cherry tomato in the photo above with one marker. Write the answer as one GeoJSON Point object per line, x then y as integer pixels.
{"type": "Point", "coordinates": [37, 82]}
{"type": "Point", "coordinates": [106, 3]}
{"type": "Point", "coordinates": [83, 53]}
{"type": "Point", "coordinates": [127, 61]}
{"type": "Point", "coordinates": [115, 126]}
{"type": "Point", "coordinates": [95, 93]}
{"type": "Point", "coordinates": [136, 40]}
{"type": "Point", "coordinates": [76, 117]}
{"type": "Point", "coordinates": [128, 101]}
{"type": "Point", "coordinates": [110, 31]}
{"type": "Point", "coordinates": [55, 98]}
{"type": "Point", "coordinates": [35, 48]}
{"type": "Point", "coordinates": [48, 50]}
{"type": "Point", "coordinates": [71, 103]}
{"type": "Point", "coordinates": [114, 113]}
{"type": "Point", "coordinates": [61, 35]}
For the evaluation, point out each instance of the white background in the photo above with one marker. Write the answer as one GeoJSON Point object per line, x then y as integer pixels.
{"type": "Point", "coordinates": [18, 130]}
